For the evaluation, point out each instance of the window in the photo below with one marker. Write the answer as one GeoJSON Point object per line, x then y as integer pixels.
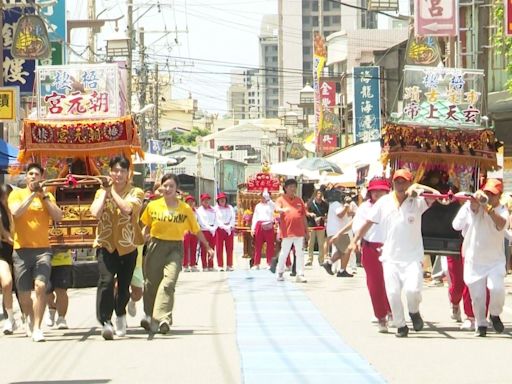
{"type": "Point", "coordinates": [306, 35]}
{"type": "Point", "coordinates": [315, 6]}
{"type": "Point", "coordinates": [306, 50]}
{"type": "Point", "coordinates": [315, 21]}
{"type": "Point", "coordinates": [306, 20]}
{"type": "Point", "coordinates": [305, 4]}
{"type": "Point", "coordinates": [335, 5]}
{"type": "Point", "coordinates": [336, 20]}
{"type": "Point", "coordinates": [306, 66]}
{"type": "Point", "coordinates": [327, 21]}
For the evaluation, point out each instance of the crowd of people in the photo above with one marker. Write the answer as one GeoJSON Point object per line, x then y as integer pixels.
{"type": "Point", "coordinates": [143, 242]}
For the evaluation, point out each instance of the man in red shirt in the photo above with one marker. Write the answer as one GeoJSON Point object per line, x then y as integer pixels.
{"type": "Point", "coordinates": [293, 228]}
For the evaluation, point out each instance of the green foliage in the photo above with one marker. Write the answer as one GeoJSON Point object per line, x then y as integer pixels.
{"type": "Point", "coordinates": [189, 138]}
{"type": "Point", "coordinates": [502, 43]}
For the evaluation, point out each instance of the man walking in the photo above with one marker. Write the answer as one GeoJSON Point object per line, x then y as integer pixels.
{"type": "Point", "coordinates": [316, 215]}
{"type": "Point", "coordinates": [32, 208]}
{"type": "Point", "coordinates": [400, 213]}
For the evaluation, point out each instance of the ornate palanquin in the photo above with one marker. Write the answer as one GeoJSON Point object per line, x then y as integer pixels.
{"type": "Point", "coordinates": [249, 194]}
{"type": "Point", "coordinates": [79, 147]}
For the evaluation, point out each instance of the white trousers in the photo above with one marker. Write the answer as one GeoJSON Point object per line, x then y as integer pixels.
{"type": "Point", "coordinates": [495, 282]}
{"type": "Point", "coordinates": [286, 246]}
{"type": "Point", "coordinates": [406, 276]}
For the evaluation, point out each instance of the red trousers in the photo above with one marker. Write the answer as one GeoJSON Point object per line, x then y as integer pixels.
{"type": "Point", "coordinates": [211, 242]}
{"type": "Point", "coordinates": [263, 236]}
{"type": "Point", "coordinates": [189, 250]}
{"type": "Point", "coordinates": [458, 289]}
{"type": "Point", "coordinates": [370, 254]}
{"type": "Point", "coordinates": [222, 238]}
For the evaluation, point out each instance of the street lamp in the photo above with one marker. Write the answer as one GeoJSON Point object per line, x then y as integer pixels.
{"type": "Point", "coordinates": [118, 44]}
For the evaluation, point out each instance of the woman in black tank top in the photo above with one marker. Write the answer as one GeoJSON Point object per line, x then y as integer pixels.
{"type": "Point", "coordinates": [6, 277]}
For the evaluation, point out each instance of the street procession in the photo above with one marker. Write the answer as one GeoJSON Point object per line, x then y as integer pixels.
{"type": "Point", "coordinates": [297, 191]}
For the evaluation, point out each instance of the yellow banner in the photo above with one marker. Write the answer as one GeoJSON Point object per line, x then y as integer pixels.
{"type": "Point", "coordinates": [319, 58]}
{"type": "Point", "coordinates": [8, 104]}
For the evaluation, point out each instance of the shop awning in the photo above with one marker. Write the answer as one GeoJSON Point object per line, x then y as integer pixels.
{"type": "Point", "coordinates": [8, 154]}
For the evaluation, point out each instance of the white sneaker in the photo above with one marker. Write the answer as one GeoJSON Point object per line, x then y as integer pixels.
{"type": "Point", "coordinates": [61, 323]}
{"type": "Point", "coordinates": [468, 325]}
{"type": "Point", "coordinates": [108, 331]}
{"type": "Point", "coordinates": [300, 279]}
{"type": "Point", "coordinates": [382, 326]}
{"type": "Point", "coordinates": [255, 267]}
{"type": "Point", "coordinates": [29, 327]}
{"type": "Point", "coordinates": [194, 269]}
{"type": "Point", "coordinates": [280, 277]}
{"type": "Point", "coordinates": [9, 326]}
{"type": "Point", "coordinates": [230, 269]}
{"type": "Point", "coordinates": [50, 317]}
{"type": "Point", "coordinates": [121, 326]}
{"type": "Point", "coordinates": [131, 308]}
{"type": "Point", "coordinates": [456, 314]}
{"type": "Point", "coordinates": [38, 336]}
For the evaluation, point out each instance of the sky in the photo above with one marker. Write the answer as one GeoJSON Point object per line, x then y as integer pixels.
{"type": "Point", "coordinates": [222, 36]}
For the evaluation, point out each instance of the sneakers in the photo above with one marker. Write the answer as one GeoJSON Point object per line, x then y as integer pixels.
{"type": "Point", "coordinates": [468, 325]}
{"type": "Point", "coordinates": [481, 331]}
{"type": "Point", "coordinates": [131, 308]}
{"type": "Point", "coordinates": [194, 269]}
{"type": "Point", "coordinates": [164, 327]}
{"type": "Point", "coordinates": [402, 331]}
{"type": "Point", "coordinates": [221, 269]}
{"type": "Point", "coordinates": [255, 267]}
{"type": "Point", "coordinates": [186, 269]}
{"type": "Point", "coordinates": [497, 324]}
{"type": "Point", "coordinates": [382, 326]}
{"type": "Point", "coordinates": [417, 321]}
{"type": "Point", "coordinates": [50, 317]}
{"type": "Point", "coordinates": [328, 267]}
{"type": "Point", "coordinates": [61, 323]}
{"type": "Point", "coordinates": [231, 269]}
{"type": "Point", "coordinates": [344, 273]}
{"type": "Point", "coordinates": [300, 279]}
{"type": "Point", "coordinates": [121, 326]}
{"type": "Point", "coordinates": [293, 274]}
{"type": "Point", "coordinates": [308, 264]}
{"type": "Point", "coordinates": [38, 336]}
{"type": "Point", "coordinates": [280, 277]}
{"type": "Point", "coordinates": [9, 326]}
{"type": "Point", "coordinates": [456, 314]}
{"type": "Point", "coordinates": [108, 331]}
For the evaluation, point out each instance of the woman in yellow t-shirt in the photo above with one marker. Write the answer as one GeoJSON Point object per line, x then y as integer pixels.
{"type": "Point", "coordinates": [166, 221]}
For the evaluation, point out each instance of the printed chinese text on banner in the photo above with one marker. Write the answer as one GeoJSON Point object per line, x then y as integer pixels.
{"type": "Point", "coordinates": [445, 97]}
{"type": "Point", "coordinates": [9, 104]}
{"type": "Point", "coordinates": [507, 13]}
{"type": "Point", "coordinates": [366, 110]}
{"type": "Point", "coordinates": [319, 57]}
{"type": "Point", "coordinates": [78, 91]}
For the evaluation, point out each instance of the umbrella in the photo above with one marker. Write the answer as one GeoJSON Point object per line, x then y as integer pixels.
{"type": "Point", "coordinates": [318, 164]}
{"type": "Point", "coordinates": [286, 168]}
{"type": "Point", "coordinates": [151, 158]}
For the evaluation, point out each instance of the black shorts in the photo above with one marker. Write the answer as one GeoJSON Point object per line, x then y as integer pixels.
{"type": "Point", "coordinates": [60, 277]}
{"type": "Point", "coordinates": [6, 253]}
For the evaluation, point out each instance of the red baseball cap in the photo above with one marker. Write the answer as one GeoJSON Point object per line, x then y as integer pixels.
{"type": "Point", "coordinates": [378, 184]}
{"type": "Point", "coordinates": [190, 197]}
{"type": "Point", "coordinates": [403, 173]}
{"type": "Point", "coordinates": [221, 195]}
{"type": "Point", "coordinates": [494, 186]}
{"type": "Point", "coordinates": [205, 196]}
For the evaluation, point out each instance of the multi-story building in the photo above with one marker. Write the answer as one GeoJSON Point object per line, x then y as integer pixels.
{"type": "Point", "coordinates": [245, 94]}
{"type": "Point", "coordinates": [269, 65]}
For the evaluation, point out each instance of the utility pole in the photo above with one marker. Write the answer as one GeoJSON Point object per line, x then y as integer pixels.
{"type": "Point", "coordinates": [91, 15]}
{"type": "Point", "coordinates": [129, 58]}
{"type": "Point", "coordinates": [321, 17]}
{"type": "Point", "coordinates": [156, 100]}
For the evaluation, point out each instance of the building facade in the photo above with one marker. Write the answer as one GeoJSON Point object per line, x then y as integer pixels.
{"type": "Point", "coordinates": [269, 65]}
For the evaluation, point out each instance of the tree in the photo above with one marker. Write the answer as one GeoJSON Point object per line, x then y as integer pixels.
{"type": "Point", "coordinates": [502, 42]}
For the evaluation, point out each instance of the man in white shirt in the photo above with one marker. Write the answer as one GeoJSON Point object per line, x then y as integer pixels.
{"type": "Point", "coordinates": [399, 213]}
{"type": "Point", "coordinates": [484, 255]}
{"type": "Point", "coordinates": [225, 232]}
{"type": "Point", "coordinates": [262, 229]}
{"type": "Point", "coordinates": [208, 223]}
{"type": "Point", "coordinates": [339, 216]}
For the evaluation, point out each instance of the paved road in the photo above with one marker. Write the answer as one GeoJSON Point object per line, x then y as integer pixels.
{"type": "Point", "coordinates": [203, 344]}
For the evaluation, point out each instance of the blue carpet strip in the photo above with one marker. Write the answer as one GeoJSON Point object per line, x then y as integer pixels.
{"type": "Point", "coordinates": [283, 337]}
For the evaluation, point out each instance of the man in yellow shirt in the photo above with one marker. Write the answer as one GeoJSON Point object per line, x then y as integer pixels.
{"type": "Point", "coordinates": [32, 208]}
{"type": "Point", "coordinates": [117, 207]}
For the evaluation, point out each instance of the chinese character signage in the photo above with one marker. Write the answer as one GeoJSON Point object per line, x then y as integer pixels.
{"type": "Point", "coordinates": [507, 13]}
{"type": "Point", "coordinates": [55, 14]}
{"type": "Point", "coordinates": [446, 97]}
{"type": "Point", "coordinates": [9, 104]}
{"type": "Point", "coordinates": [30, 39]}
{"type": "Point", "coordinates": [435, 17]}
{"type": "Point", "coordinates": [17, 72]}
{"type": "Point", "coordinates": [366, 106]}
{"type": "Point", "coordinates": [78, 92]}
{"type": "Point", "coordinates": [422, 51]}
{"type": "Point", "coordinates": [327, 94]}
{"type": "Point", "coordinates": [319, 57]}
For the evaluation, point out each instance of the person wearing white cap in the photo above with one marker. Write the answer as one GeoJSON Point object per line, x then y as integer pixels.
{"type": "Point", "coordinates": [262, 229]}
{"type": "Point", "coordinates": [207, 219]}
{"type": "Point", "coordinates": [484, 255]}
{"type": "Point", "coordinates": [225, 234]}
{"type": "Point", "coordinates": [399, 213]}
